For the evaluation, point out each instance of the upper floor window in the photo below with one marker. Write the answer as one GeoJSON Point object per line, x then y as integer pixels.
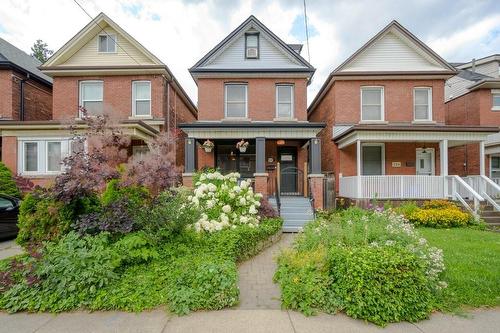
{"type": "Point", "coordinates": [495, 95]}
{"type": "Point", "coordinates": [252, 46]}
{"type": "Point", "coordinates": [141, 98]}
{"type": "Point", "coordinates": [91, 97]}
{"type": "Point", "coordinates": [372, 103]}
{"type": "Point", "coordinates": [42, 156]}
{"type": "Point", "coordinates": [235, 100]}
{"type": "Point", "coordinates": [422, 104]}
{"type": "Point", "coordinates": [107, 43]}
{"type": "Point", "coordinates": [284, 101]}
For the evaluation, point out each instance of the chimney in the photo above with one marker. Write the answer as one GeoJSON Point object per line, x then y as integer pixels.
{"type": "Point", "coordinates": [473, 64]}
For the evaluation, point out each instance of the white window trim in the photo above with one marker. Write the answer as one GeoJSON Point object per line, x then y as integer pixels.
{"type": "Point", "coordinates": [292, 106]}
{"type": "Point", "coordinates": [114, 37]}
{"type": "Point", "coordinates": [491, 165]}
{"type": "Point", "coordinates": [429, 103]}
{"type": "Point", "coordinates": [225, 100]}
{"type": "Point", "coordinates": [433, 159]}
{"type": "Point", "coordinates": [42, 154]}
{"type": "Point", "coordinates": [374, 144]}
{"type": "Point", "coordinates": [134, 100]}
{"type": "Point", "coordinates": [80, 94]}
{"type": "Point", "coordinates": [382, 106]}
{"type": "Point", "coordinates": [494, 92]}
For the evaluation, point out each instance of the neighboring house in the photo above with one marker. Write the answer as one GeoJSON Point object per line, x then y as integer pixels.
{"type": "Point", "coordinates": [473, 98]}
{"type": "Point", "coordinates": [252, 86]}
{"type": "Point", "coordinates": [387, 135]}
{"type": "Point", "coordinates": [25, 92]}
{"type": "Point", "coordinates": [106, 71]}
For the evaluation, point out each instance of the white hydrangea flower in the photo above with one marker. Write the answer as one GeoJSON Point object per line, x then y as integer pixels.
{"type": "Point", "coordinates": [226, 208]}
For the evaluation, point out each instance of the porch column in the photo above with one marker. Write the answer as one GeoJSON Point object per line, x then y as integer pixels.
{"type": "Point", "coordinates": [260, 167]}
{"type": "Point", "coordinates": [443, 153]}
{"type": "Point", "coordinates": [358, 167]}
{"type": "Point", "coordinates": [315, 176]}
{"type": "Point", "coordinates": [482, 170]}
{"type": "Point", "coordinates": [189, 161]}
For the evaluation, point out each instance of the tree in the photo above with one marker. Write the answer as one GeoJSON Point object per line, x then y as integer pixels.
{"type": "Point", "coordinates": [40, 51]}
{"type": "Point", "coordinates": [7, 182]}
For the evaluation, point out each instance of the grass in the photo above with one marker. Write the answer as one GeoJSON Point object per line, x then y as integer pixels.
{"type": "Point", "coordinates": [472, 259]}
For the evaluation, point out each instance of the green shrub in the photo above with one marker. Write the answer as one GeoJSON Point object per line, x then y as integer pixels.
{"type": "Point", "coordinates": [438, 204]}
{"type": "Point", "coordinates": [41, 218]}
{"type": "Point", "coordinates": [440, 217]}
{"type": "Point", "coordinates": [7, 183]}
{"type": "Point", "coordinates": [135, 248]}
{"type": "Point", "coordinates": [136, 196]}
{"type": "Point", "coordinates": [382, 285]}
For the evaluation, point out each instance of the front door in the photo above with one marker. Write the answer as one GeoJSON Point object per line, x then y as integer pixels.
{"type": "Point", "coordinates": [425, 162]}
{"type": "Point", "coordinates": [289, 173]}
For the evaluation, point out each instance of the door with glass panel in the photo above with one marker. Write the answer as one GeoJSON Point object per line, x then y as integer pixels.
{"type": "Point", "coordinates": [425, 163]}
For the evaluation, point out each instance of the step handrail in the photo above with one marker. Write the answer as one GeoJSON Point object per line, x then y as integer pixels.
{"type": "Point", "coordinates": [495, 186]}
{"type": "Point", "coordinates": [477, 197]}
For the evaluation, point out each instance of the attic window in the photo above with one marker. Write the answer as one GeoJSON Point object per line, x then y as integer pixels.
{"type": "Point", "coordinates": [252, 46]}
{"type": "Point", "coordinates": [107, 43]}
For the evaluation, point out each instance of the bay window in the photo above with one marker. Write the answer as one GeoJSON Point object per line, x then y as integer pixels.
{"type": "Point", "coordinates": [422, 104]}
{"type": "Point", "coordinates": [235, 97]}
{"type": "Point", "coordinates": [141, 98]}
{"type": "Point", "coordinates": [372, 103]}
{"type": "Point", "coordinates": [91, 97]}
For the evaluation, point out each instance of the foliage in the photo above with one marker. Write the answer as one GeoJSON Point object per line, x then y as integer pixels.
{"type": "Point", "coordinates": [41, 51]}
{"type": "Point", "coordinates": [42, 218]}
{"type": "Point", "coordinates": [472, 259]}
{"type": "Point", "coordinates": [24, 185]}
{"type": "Point", "coordinates": [266, 210]}
{"type": "Point", "coordinates": [436, 214]}
{"type": "Point", "coordinates": [114, 217]}
{"type": "Point", "coordinates": [7, 183]}
{"type": "Point", "coordinates": [156, 170]}
{"type": "Point", "coordinates": [136, 248]}
{"type": "Point", "coordinates": [224, 203]}
{"type": "Point", "coordinates": [334, 262]}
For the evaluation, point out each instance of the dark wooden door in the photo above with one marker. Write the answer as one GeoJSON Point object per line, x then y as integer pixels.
{"type": "Point", "coordinates": [288, 161]}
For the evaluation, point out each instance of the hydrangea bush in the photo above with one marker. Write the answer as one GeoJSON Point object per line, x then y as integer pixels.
{"type": "Point", "coordinates": [224, 202]}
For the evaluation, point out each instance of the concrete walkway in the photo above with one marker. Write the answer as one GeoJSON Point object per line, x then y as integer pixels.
{"type": "Point", "coordinates": [9, 249]}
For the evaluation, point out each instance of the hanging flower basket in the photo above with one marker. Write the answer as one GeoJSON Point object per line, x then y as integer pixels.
{"type": "Point", "coordinates": [242, 146]}
{"type": "Point", "coordinates": [208, 146]}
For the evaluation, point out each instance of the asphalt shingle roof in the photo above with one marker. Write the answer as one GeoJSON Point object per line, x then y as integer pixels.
{"type": "Point", "coordinates": [11, 54]}
{"type": "Point", "coordinates": [471, 76]}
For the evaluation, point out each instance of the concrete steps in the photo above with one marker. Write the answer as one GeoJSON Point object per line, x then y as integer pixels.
{"type": "Point", "coordinates": [295, 211]}
{"type": "Point", "coordinates": [490, 215]}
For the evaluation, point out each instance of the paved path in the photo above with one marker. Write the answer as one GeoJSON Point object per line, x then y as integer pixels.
{"type": "Point", "coordinates": [9, 249]}
{"type": "Point", "coordinates": [257, 290]}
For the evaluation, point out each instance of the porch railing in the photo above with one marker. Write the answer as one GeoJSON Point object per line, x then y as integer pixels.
{"type": "Point", "coordinates": [486, 187]}
{"type": "Point", "coordinates": [460, 190]}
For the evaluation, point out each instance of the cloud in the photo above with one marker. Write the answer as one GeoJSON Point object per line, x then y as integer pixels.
{"type": "Point", "coordinates": [180, 32]}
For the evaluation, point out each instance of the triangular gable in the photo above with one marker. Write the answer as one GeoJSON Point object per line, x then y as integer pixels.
{"type": "Point", "coordinates": [394, 49]}
{"type": "Point", "coordinates": [81, 50]}
{"type": "Point", "coordinates": [274, 53]}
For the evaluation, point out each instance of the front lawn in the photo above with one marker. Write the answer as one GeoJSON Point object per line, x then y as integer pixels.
{"type": "Point", "coordinates": [472, 261]}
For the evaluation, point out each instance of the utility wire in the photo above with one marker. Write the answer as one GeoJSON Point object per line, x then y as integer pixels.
{"type": "Point", "coordinates": [102, 30]}
{"type": "Point", "coordinates": [307, 33]}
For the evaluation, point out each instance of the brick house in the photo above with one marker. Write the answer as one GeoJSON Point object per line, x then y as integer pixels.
{"type": "Point", "coordinates": [252, 86]}
{"type": "Point", "coordinates": [473, 98]}
{"type": "Point", "coordinates": [25, 92]}
{"type": "Point", "coordinates": [107, 71]}
{"type": "Point", "coordinates": [387, 134]}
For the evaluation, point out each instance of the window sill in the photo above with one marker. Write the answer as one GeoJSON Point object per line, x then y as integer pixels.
{"type": "Point", "coordinates": [39, 175]}
{"type": "Point", "coordinates": [285, 119]}
{"type": "Point", "coordinates": [424, 122]}
{"type": "Point", "coordinates": [140, 117]}
{"type": "Point", "coordinates": [232, 119]}
{"type": "Point", "coordinates": [373, 122]}
{"type": "Point", "coordinates": [495, 108]}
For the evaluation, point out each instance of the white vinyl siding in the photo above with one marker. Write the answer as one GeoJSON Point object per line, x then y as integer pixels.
{"type": "Point", "coordinates": [42, 156]}
{"type": "Point", "coordinates": [422, 104]}
{"type": "Point", "coordinates": [91, 96]}
{"type": "Point", "coordinates": [372, 103]}
{"type": "Point", "coordinates": [393, 52]}
{"type": "Point", "coordinates": [235, 97]}
{"type": "Point", "coordinates": [107, 43]}
{"type": "Point", "coordinates": [126, 53]}
{"type": "Point", "coordinates": [284, 101]}
{"type": "Point", "coordinates": [141, 98]}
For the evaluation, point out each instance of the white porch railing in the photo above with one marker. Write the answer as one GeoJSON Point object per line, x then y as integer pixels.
{"type": "Point", "coordinates": [460, 190]}
{"type": "Point", "coordinates": [486, 187]}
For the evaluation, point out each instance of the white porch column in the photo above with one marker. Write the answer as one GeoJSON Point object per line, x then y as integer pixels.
{"type": "Point", "coordinates": [482, 170]}
{"type": "Point", "coordinates": [358, 166]}
{"type": "Point", "coordinates": [443, 153]}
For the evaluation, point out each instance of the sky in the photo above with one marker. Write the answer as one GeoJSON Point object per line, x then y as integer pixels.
{"type": "Point", "coordinates": [180, 32]}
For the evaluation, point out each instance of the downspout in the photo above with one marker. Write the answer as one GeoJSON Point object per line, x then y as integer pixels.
{"type": "Point", "coordinates": [21, 104]}
{"type": "Point", "coordinates": [168, 108]}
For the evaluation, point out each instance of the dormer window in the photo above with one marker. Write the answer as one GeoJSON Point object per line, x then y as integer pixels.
{"type": "Point", "coordinates": [252, 46]}
{"type": "Point", "coordinates": [107, 43]}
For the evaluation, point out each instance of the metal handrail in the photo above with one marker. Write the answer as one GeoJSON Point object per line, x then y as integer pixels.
{"type": "Point", "coordinates": [277, 195]}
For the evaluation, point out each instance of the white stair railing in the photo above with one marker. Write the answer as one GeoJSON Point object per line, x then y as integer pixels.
{"type": "Point", "coordinates": [486, 188]}
{"type": "Point", "coordinates": [461, 190]}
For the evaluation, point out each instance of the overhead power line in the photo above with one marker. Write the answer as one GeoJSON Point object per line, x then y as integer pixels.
{"type": "Point", "coordinates": [307, 32]}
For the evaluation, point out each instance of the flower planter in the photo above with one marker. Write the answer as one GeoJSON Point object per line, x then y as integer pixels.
{"type": "Point", "coordinates": [243, 149]}
{"type": "Point", "coordinates": [208, 149]}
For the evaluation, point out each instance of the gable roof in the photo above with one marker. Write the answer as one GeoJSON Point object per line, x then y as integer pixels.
{"type": "Point", "coordinates": [11, 56]}
{"type": "Point", "coordinates": [480, 61]}
{"type": "Point", "coordinates": [410, 40]}
{"type": "Point", "coordinates": [299, 64]}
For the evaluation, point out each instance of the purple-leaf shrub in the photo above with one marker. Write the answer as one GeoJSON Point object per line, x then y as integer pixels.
{"type": "Point", "coordinates": [114, 218]}
{"type": "Point", "coordinates": [266, 210]}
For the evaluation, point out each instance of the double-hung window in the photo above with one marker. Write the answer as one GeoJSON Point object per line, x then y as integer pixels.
{"type": "Point", "coordinates": [284, 101]}
{"type": "Point", "coordinates": [107, 43]}
{"type": "Point", "coordinates": [252, 46]}
{"type": "Point", "coordinates": [422, 104]}
{"type": "Point", "coordinates": [91, 97]}
{"type": "Point", "coordinates": [495, 103]}
{"type": "Point", "coordinates": [141, 98]}
{"type": "Point", "coordinates": [235, 97]}
{"type": "Point", "coordinates": [372, 103]}
{"type": "Point", "coordinates": [42, 156]}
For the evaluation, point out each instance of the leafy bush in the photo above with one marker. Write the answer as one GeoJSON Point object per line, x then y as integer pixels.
{"type": "Point", "coordinates": [7, 183]}
{"type": "Point", "coordinates": [436, 214]}
{"type": "Point", "coordinates": [266, 210]}
{"type": "Point", "coordinates": [371, 264]}
{"type": "Point", "coordinates": [135, 248]}
{"type": "Point", "coordinates": [42, 218]}
{"type": "Point", "coordinates": [438, 204]}
{"type": "Point", "coordinates": [114, 217]}
{"type": "Point", "coordinates": [136, 196]}
{"type": "Point", "coordinates": [224, 203]}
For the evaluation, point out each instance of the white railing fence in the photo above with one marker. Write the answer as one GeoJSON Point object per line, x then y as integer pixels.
{"type": "Point", "coordinates": [348, 187]}
{"type": "Point", "coordinates": [486, 187]}
{"type": "Point", "coordinates": [460, 190]}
